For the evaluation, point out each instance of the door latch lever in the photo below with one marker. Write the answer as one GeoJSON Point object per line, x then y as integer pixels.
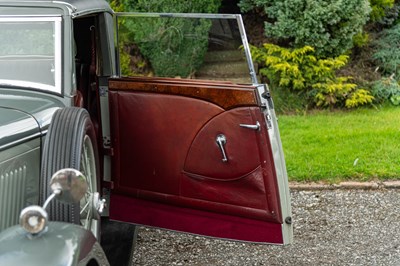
{"type": "Point", "coordinates": [256, 127]}
{"type": "Point", "coordinates": [221, 141]}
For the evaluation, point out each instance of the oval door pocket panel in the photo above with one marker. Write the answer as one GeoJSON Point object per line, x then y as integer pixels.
{"type": "Point", "coordinates": [205, 156]}
{"type": "Point", "coordinates": [236, 185]}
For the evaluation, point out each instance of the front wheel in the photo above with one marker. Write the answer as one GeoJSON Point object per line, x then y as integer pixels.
{"type": "Point", "coordinates": [71, 143]}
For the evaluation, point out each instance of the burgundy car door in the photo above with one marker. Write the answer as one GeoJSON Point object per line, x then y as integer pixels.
{"type": "Point", "coordinates": [197, 156]}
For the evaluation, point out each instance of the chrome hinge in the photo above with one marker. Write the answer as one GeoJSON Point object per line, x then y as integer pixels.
{"type": "Point", "coordinates": [268, 119]}
{"type": "Point", "coordinates": [103, 90]}
{"type": "Point", "coordinates": [107, 142]}
{"type": "Point", "coordinates": [107, 149]}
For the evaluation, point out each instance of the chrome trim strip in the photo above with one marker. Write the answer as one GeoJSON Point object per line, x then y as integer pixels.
{"type": "Point", "coordinates": [20, 141]}
{"type": "Point", "coordinates": [282, 177]}
{"type": "Point", "coordinates": [58, 55]}
{"type": "Point", "coordinates": [246, 49]}
{"type": "Point", "coordinates": [14, 18]}
{"type": "Point", "coordinates": [68, 5]}
{"type": "Point", "coordinates": [26, 84]}
{"type": "Point", "coordinates": [178, 15]}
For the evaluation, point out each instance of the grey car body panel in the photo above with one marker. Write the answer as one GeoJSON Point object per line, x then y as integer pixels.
{"type": "Point", "coordinates": [19, 180]}
{"type": "Point", "coordinates": [16, 127]}
{"type": "Point", "coordinates": [25, 115]}
{"type": "Point", "coordinates": [70, 7]}
{"type": "Point", "coordinates": [64, 244]}
{"type": "Point", "coordinates": [24, 118]}
{"type": "Point", "coordinates": [30, 108]}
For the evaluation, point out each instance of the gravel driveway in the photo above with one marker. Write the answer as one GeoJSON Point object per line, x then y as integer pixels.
{"type": "Point", "coordinates": [331, 227]}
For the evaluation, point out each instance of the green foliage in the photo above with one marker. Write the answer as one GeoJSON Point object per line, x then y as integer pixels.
{"type": "Point", "coordinates": [391, 16]}
{"type": "Point", "coordinates": [172, 6]}
{"type": "Point", "coordinates": [288, 102]}
{"type": "Point", "coordinates": [387, 50]}
{"type": "Point", "coordinates": [360, 39]}
{"type": "Point", "coordinates": [173, 46]}
{"type": "Point", "coordinates": [331, 91]}
{"type": "Point", "coordinates": [358, 97]}
{"type": "Point", "coordinates": [327, 25]}
{"type": "Point", "coordinates": [116, 5]}
{"type": "Point", "coordinates": [300, 69]}
{"type": "Point", "coordinates": [379, 8]}
{"type": "Point", "coordinates": [386, 89]}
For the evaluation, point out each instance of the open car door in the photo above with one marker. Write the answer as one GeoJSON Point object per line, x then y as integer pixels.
{"type": "Point", "coordinates": [193, 151]}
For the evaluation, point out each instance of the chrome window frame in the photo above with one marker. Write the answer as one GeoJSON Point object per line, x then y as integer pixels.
{"type": "Point", "coordinates": [237, 17]}
{"type": "Point", "coordinates": [57, 88]}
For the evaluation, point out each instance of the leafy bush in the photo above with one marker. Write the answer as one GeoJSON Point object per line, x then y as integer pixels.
{"type": "Point", "coordinates": [300, 69]}
{"type": "Point", "coordinates": [288, 102]}
{"type": "Point", "coordinates": [387, 50]}
{"type": "Point", "coordinates": [360, 39]}
{"type": "Point", "coordinates": [116, 5]}
{"type": "Point", "coordinates": [327, 25]}
{"type": "Point", "coordinates": [391, 16]}
{"type": "Point", "coordinates": [386, 89]}
{"type": "Point", "coordinates": [379, 8]}
{"type": "Point", "coordinates": [172, 6]}
{"type": "Point", "coordinates": [173, 46]}
{"type": "Point", "coordinates": [358, 97]}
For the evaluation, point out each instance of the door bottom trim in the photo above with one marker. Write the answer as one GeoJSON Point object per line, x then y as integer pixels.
{"type": "Point", "coordinates": [198, 222]}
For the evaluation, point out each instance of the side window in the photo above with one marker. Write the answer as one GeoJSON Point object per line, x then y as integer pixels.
{"type": "Point", "coordinates": [31, 46]}
{"type": "Point", "coordinates": [207, 48]}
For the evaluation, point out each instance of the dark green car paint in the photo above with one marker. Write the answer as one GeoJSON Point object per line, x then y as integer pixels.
{"type": "Point", "coordinates": [24, 118]}
{"type": "Point", "coordinates": [24, 115]}
{"type": "Point", "coordinates": [62, 244]}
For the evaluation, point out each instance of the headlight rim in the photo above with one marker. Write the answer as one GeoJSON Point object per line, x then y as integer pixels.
{"type": "Point", "coordinates": [33, 219]}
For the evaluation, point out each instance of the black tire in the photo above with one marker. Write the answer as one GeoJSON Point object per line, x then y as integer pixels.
{"type": "Point", "coordinates": [71, 143]}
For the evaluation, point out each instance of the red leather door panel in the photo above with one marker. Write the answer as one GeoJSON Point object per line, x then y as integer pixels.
{"type": "Point", "coordinates": [167, 168]}
{"type": "Point", "coordinates": [240, 184]}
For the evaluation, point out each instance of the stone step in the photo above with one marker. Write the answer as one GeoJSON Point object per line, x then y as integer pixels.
{"type": "Point", "coordinates": [235, 80]}
{"type": "Point", "coordinates": [223, 69]}
{"type": "Point", "coordinates": [229, 65]}
{"type": "Point", "coordinates": [224, 56]}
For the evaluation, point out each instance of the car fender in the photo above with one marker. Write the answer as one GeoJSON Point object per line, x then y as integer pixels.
{"type": "Point", "coordinates": [61, 244]}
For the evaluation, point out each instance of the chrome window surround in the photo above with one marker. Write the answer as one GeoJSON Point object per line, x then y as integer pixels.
{"type": "Point", "coordinates": [57, 88]}
{"type": "Point", "coordinates": [238, 18]}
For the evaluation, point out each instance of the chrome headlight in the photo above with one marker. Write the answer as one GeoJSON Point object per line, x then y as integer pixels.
{"type": "Point", "coordinates": [33, 219]}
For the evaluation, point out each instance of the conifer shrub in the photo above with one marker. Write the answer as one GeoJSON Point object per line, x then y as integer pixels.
{"type": "Point", "coordinates": [380, 8]}
{"type": "Point", "coordinates": [327, 25]}
{"type": "Point", "coordinates": [301, 70]}
{"type": "Point", "coordinates": [169, 46]}
{"type": "Point", "coordinates": [391, 16]}
{"type": "Point", "coordinates": [387, 51]}
{"type": "Point", "coordinates": [386, 89]}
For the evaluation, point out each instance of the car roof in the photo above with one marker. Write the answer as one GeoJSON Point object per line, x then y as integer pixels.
{"type": "Point", "coordinates": [75, 7]}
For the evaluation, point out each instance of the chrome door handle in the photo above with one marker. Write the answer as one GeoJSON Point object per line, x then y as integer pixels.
{"type": "Point", "coordinates": [221, 141]}
{"type": "Point", "coordinates": [256, 127]}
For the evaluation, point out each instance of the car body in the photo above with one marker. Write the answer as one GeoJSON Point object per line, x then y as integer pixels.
{"type": "Point", "coordinates": [195, 155]}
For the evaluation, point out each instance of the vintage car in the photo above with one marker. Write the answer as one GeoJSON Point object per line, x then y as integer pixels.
{"type": "Point", "coordinates": [138, 104]}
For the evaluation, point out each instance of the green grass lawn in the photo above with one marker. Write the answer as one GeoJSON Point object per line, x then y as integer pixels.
{"type": "Point", "coordinates": [335, 146]}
